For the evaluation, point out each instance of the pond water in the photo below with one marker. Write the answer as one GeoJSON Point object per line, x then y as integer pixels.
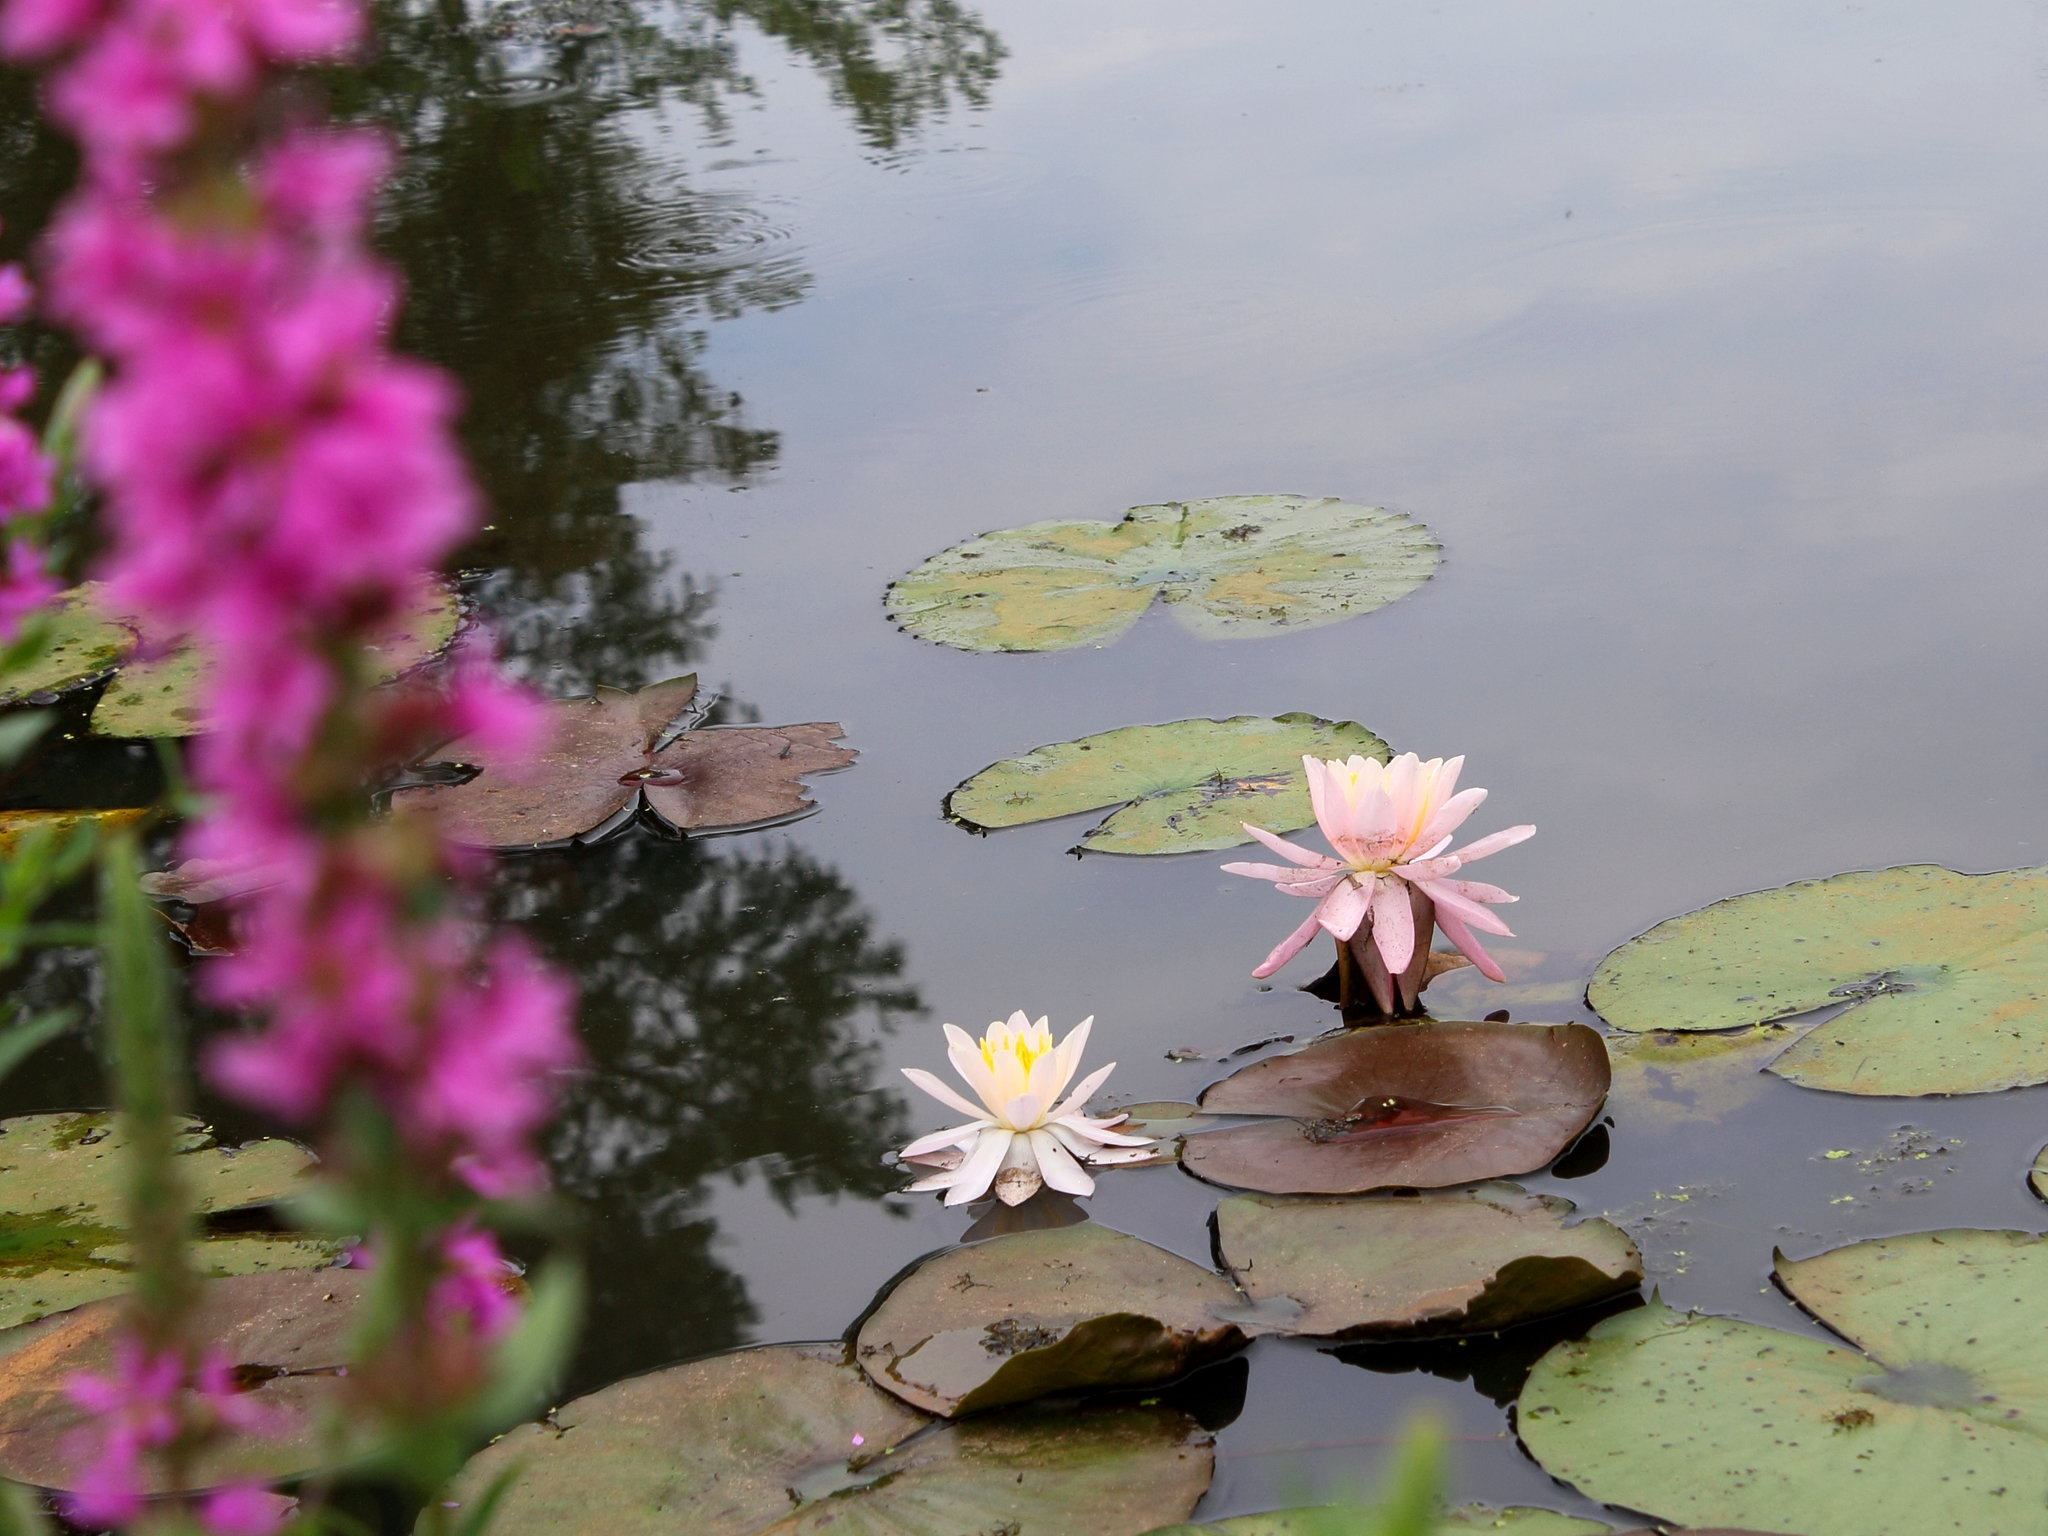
{"type": "Point", "coordinates": [1709, 340]}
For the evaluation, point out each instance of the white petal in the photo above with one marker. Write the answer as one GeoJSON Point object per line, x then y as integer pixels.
{"type": "Point", "coordinates": [1023, 1112]}
{"type": "Point", "coordinates": [1069, 1053]}
{"type": "Point", "coordinates": [958, 1136]}
{"type": "Point", "coordinates": [1020, 1176]}
{"type": "Point", "coordinates": [973, 1177]}
{"type": "Point", "coordinates": [945, 1095]}
{"type": "Point", "coordinates": [1057, 1166]}
{"type": "Point", "coordinates": [1097, 1131]}
{"type": "Point", "coordinates": [1079, 1096]}
{"type": "Point", "coordinates": [965, 1054]}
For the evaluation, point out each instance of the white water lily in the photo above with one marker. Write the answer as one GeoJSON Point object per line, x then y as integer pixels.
{"type": "Point", "coordinates": [1023, 1134]}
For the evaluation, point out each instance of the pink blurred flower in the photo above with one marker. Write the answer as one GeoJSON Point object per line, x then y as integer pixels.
{"type": "Point", "coordinates": [245, 1509]}
{"type": "Point", "coordinates": [16, 296]}
{"type": "Point", "coordinates": [477, 1292]}
{"type": "Point", "coordinates": [1391, 826]}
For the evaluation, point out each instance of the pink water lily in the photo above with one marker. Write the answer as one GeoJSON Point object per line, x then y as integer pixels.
{"type": "Point", "coordinates": [1392, 880]}
{"type": "Point", "coordinates": [1023, 1133]}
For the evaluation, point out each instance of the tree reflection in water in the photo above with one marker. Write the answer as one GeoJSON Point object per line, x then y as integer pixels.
{"type": "Point", "coordinates": [731, 1004]}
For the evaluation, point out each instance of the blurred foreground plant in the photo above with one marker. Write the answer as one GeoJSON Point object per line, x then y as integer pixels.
{"type": "Point", "coordinates": [278, 486]}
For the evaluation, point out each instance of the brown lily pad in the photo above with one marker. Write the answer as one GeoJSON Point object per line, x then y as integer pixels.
{"type": "Point", "coordinates": [1404, 1106]}
{"type": "Point", "coordinates": [790, 1439]}
{"type": "Point", "coordinates": [1066, 1309]}
{"type": "Point", "coordinates": [1438, 1263]}
{"type": "Point", "coordinates": [610, 751]}
{"type": "Point", "coordinates": [287, 1335]}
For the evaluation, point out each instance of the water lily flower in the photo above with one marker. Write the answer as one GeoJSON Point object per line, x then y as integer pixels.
{"type": "Point", "coordinates": [1391, 882]}
{"type": "Point", "coordinates": [1023, 1133]}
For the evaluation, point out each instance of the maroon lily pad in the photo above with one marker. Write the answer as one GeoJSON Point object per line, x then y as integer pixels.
{"type": "Point", "coordinates": [609, 751]}
{"type": "Point", "coordinates": [1404, 1106]}
{"type": "Point", "coordinates": [286, 1335]}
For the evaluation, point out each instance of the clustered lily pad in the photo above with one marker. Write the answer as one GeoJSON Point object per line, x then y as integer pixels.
{"type": "Point", "coordinates": [1229, 567]}
{"type": "Point", "coordinates": [286, 1336]}
{"type": "Point", "coordinates": [1180, 787]}
{"type": "Point", "coordinates": [1034, 1313]}
{"type": "Point", "coordinates": [1439, 1263]}
{"type": "Point", "coordinates": [1414, 1106]}
{"type": "Point", "coordinates": [60, 1202]}
{"type": "Point", "coordinates": [159, 696]}
{"type": "Point", "coordinates": [1941, 978]}
{"type": "Point", "coordinates": [791, 1438]}
{"type": "Point", "coordinates": [616, 750]}
{"type": "Point", "coordinates": [1935, 1420]}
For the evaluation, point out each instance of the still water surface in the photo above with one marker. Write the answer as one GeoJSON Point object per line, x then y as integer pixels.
{"type": "Point", "coordinates": [1711, 340]}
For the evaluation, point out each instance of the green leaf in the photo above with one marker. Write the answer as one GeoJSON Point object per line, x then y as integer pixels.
{"type": "Point", "coordinates": [85, 643]}
{"type": "Point", "coordinates": [23, 1040]}
{"type": "Point", "coordinates": [1941, 978]}
{"type": "Point", "coordinates": [1231, 567]}
{"type": "Point", "coordinates": [1183, 786]}
{"type": "Point", "coordinates": [1437, 1263]}
{"type": "Point", "coordinates": [1034, 1313]}
{"type": "Point", "coordinates": [62, 1240]}
{"type": "Point", "coordinates": [530, 1361]}
{"type": "Point", "coordinates": [1937, 1419]}
{"type": "Point", "coordinates": [792, 1439]}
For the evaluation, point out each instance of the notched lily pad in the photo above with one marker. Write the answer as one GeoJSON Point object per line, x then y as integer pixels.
{"type": "Point", "coordinates": [1180, 787]}
{"type": "Point", "coordinates": [61, 1239]}
{"type": "Point", "coordinates": [1941, 978]}
{"type": "Point", "coordinates": [1073, 1308]}
{"type": "Point", "coordinates": [286, 1334]}
{"type": "Point", "coordinates": [1439, 1263]}
{"type": "Point", "coordinates": [1404, 1106]}
{"type": "Point", "coordinates": [615, 749]}
{"type": "Point", "coordinates": [1937, 1419]}
{"type": "Point", "coordinates": [792, 1439]}
{"type": "Point", "coordinates": [1229, 566]}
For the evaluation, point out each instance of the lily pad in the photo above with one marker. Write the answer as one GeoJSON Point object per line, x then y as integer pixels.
{"type": "Point", "coordinates": [1438, 1263]}
{"type": "Point", "coordinates": [1231, 567]}
{"type": "Point", "coordinates": [16, 825]}
{"type": "Point", "coordinates": [1937, 1419]}
{"type": "Point", "coordinates": [162, 696]}
{"type": "Point", "coordinates": [286, 1334]}
{"type": "Point", "coordinates": [1180, 787]}
{"type": "Point", "coordinates": [1414, 1106]}
{"type": "Point", "coordinates": [613, 750]}
{"type": "Point", "coordinates": [86, 643]}
{"type": "Point", "coordinates": [1066, 1309]}
{"type": "Point", "coordinates": [1673, 1077]}
{"type": "Point", "coordinates": [61, 1242]}
{"type": "Point", "coordinates": [1362, 1520]}
{"type": "Point", "coordinates": [1941, 978]}
{"type": "Point", "coordinates": [791, 1439]}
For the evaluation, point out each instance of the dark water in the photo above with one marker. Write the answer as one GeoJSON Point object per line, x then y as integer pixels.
{"type": "Point", "coordinates": [1710, 340]}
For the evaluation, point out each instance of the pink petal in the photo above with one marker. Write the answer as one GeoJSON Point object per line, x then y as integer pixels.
{"type": "Point", "coordinates": [1279, 874]}
{"type": "Point", "coordinates": [1495, 842]}
{"type": "Point", "coordinates": [1343, 910]}
{"type": "Point", "coordinates": [943, 1094]}
{"type": "Point", "coordinates": [1478, 890]}
{"type": "Point", "coordinates": [1426, 869]}
{"type": "Point", "coordinates": [1449, 816]}
{"type": "Point", "coordinates": [1290, 946]}
{"type": "Point", "coordinates": [1393, 924]}
{"type": "Point", "coordinates": [1448, 900]}
{"type": "Point", "coordinates": [1307, 858]}
{"type": "Point", "coordinates": [1460, 935]}
{"type": "Point", "coordinates": [1317, 885]}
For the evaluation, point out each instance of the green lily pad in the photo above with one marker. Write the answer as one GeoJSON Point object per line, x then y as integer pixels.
{"type": "Point", "coordinates": [1231, 567]}
{"type": "Point", "coordinates": [791, 1439]}
{"type": "Point", "coordinates": [1061, 1310]}
{"type": "Point", "coordinates": [1937, 1419]}
{"type": "Point", "coordinates": [1439, 1263]}
{"type": "Point", "coordinates": [61, 1242]}
{"type": "Point", "coordinates": [161, 696]}
{"type": "Point", "coordinates": [1180, 787]}
{"type": "Point", "coordinates": [1363, 1520]}
{"type": "Point", "coordinates": [1403, 1106]}
{"type": "Point", "coordinates": [286, 1335]}
{"type": "Point", "coordinates": [86, 643]}
{"type": "Point", "coordinates": [1672, 1077]}
{"type": "Point", "coordinates": [1942, 978]}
